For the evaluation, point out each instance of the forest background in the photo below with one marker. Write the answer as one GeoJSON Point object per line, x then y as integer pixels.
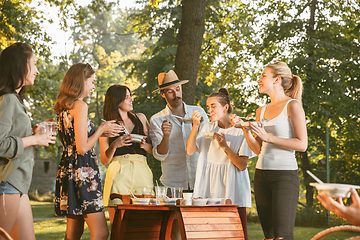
{"type": "Point", "coordinates": [212, 43]}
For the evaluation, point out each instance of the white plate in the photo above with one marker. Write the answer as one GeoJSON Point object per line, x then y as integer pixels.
{"type": "Point", "coordinates": [137, 137]}
{"type": "Point", "coordinates": [247, 124]}
{"type": "Point", "coordinates": [334, 189]}
{"type": "Point", "coordinates": [209, 134]}
{"type": "Point", "coordinates": [140, 201]}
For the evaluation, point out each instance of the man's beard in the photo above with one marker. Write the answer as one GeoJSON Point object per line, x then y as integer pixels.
{"type": "Point", "coordinates": [174, 103]}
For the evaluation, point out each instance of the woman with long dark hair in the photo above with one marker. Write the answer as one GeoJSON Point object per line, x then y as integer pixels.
{"type": "Point", "coordinates": [128, 168]}
{"type": "Point", "coordinates": [18, 69]}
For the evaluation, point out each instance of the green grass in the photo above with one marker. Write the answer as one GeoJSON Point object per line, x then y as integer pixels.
{"type": "Point", "coordinates": [54, 229]}
{"type": "Point", "coordinates": [42, 209]}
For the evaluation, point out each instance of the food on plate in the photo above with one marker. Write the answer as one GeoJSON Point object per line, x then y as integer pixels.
{"type": "Point", "coordinates": [248, 124]}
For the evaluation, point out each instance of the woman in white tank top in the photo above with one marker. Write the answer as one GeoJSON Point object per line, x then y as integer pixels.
{"type": "Point", "coordinates": [282, 132]}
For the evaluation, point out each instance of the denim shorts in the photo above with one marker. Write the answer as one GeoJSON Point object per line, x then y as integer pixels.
{"type": "Point", "coordinates": [7, 188]}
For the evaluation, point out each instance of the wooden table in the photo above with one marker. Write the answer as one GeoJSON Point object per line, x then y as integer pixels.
{"type": "Point", "coordinates": [152, 222]}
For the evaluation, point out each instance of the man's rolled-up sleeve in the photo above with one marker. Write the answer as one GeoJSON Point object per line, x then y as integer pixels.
{"type": "Point", "coordinates": [156, 136]}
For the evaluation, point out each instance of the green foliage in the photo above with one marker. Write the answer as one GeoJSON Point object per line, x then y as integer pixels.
{"type": "Point", "coordinates": [323, 49]}
{"type": "Point", "coordinates": [20, 21]}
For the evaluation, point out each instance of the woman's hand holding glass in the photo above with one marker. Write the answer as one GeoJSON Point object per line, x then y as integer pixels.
{"type": "Point", "coordinates": [37, 127]}
{"type": "Point", "coordinates": [111, 129]}
{"type": "Point", "coordinates": [45, 138]}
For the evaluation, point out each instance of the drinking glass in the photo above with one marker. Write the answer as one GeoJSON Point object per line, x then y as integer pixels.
{"type": "Point", "coordinates": [146, 192]}
{"type": "Point", "coordinates": [48, 127]}
{"type": "Point", "coordinates": [177, 192]}
{"type": "Point", "coordinates": [160, 191]}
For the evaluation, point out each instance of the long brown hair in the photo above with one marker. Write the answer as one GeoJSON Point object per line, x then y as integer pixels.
{"type": "Point", "coordinates": [14, 67]}
{"type": "Point", "coordinates": [291, 83]}
{"type": "Point", "coordinates": [72, 86]}
{"type": "Point", "coordinates": [113, 97]}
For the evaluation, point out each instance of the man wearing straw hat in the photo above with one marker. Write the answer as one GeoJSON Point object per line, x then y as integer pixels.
{"type": "Point", "coordinates": [169, 131]}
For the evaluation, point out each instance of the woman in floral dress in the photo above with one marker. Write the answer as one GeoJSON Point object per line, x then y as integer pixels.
{"type": "Point", "coordinates": [78, 185]}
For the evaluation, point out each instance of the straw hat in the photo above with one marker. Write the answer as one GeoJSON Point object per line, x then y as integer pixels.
{"type": "Point", "coordinates": [169, 79]}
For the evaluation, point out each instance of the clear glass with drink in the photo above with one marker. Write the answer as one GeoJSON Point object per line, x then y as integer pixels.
{"type": "Point", "coordinates": [146, 192]}
{"type": "Point", "coordinates": [48, 127]}
{"type": "Point", "coordinates": [177, 192]}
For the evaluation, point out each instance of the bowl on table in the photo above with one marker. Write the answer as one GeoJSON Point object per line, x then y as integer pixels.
{"type": "Point", "coordinates": [213, 201]}
{"type": "Point", "coordinates": [209, 134]}
{"type": "Point", "coordinates": [199, 201]}
{"type": "Point", "coordinates": [140, 201]}
{"type": "Point", "coordinates": [137, 137]}
{"type": "Point", "coordinates": [170, 201]}
{"type": "Point", "coordinates": [247, 124]}
{"type": "Point", "coordinates": [334, 189]}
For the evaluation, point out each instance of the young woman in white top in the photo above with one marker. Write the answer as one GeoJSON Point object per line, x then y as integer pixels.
{"type": "Point", "coordinates": [222, 163]}
{"type": "Point", "coordinates": [282, 132]}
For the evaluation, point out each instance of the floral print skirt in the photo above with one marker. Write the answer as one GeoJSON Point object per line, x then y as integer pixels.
{"type": "Point", "coordinates": [78, 186]}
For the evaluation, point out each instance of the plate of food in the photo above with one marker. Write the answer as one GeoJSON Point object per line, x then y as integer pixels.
{"type": "Point", "coordinates": [137, 137]}
{"type": "Point", "coordinates": [248, 124]}
{"type": "Point", "coordinates": [170, 201]}
{"type": "Point", "coordinates": [199, 201]}
{"type": "Point", "coordinates": [334, 189]}
{"type": "Point", "coordinates": [140, 201]}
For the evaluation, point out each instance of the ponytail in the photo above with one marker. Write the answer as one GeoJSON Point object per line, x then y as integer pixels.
{"type": "Point", "coordinates": [291, 83]}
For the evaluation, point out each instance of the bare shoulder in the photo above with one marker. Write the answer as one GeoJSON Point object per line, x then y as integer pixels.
{"type": "Point", "coordinates": [294, 105]}
{"type": "Point", "coordinates": [80, 104]}
{"type": "Point", "coordinates": [258, 111]}
{"type": "Point", "coordinates": [142, 117]}
{"type": "Point", "coordinates": [295, 109]}
{"type": "Point", "coordinates": [79, 108]}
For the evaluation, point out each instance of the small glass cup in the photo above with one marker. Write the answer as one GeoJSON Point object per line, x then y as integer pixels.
{"type": "Point", "coordinates": [160, 191]}
{"type": "Point", "coordinates": [146, 192]}
{"type": "Point", "coordinates": [177, 192]}
{"type": "Point", "coordinates": [48, 127]}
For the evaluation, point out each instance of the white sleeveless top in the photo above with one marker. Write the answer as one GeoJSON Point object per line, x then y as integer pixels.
{"type": "Point", "coordinates": [273, 157]}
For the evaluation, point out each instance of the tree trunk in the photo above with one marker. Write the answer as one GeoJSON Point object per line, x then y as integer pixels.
{"type": "Point", "coordinates": [190, 38]}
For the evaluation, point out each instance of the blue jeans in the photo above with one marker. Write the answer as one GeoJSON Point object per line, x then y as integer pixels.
{"type": "Point", "coordinates": [7, 188]}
